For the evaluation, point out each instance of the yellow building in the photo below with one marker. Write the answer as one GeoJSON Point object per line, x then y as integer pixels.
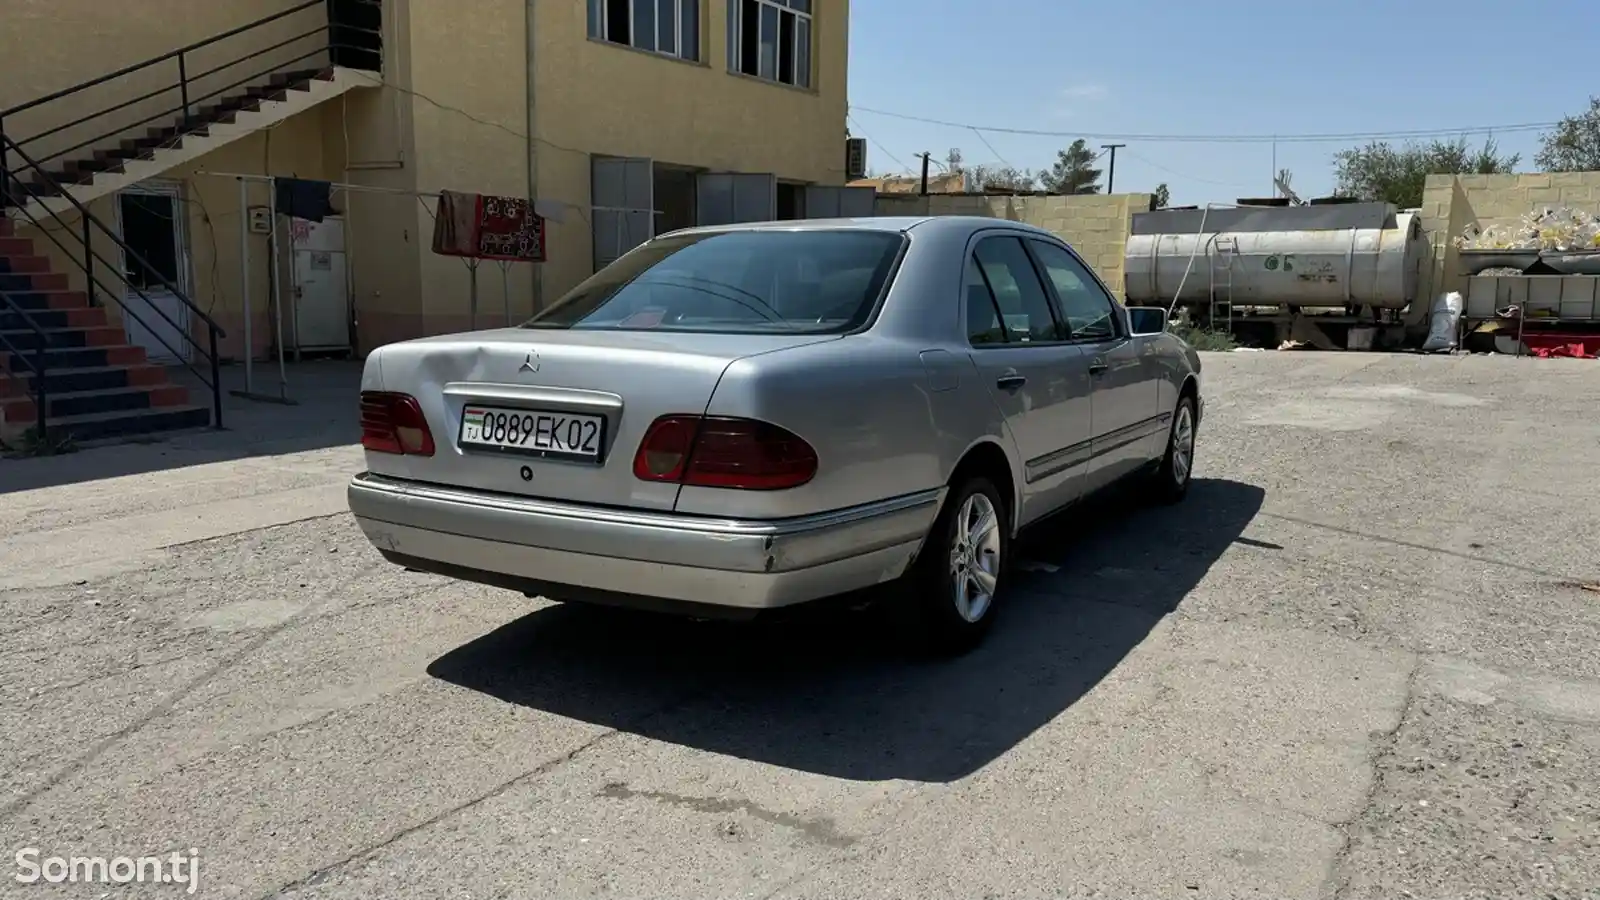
{"type": "Point", "coordinates": [646, 115]}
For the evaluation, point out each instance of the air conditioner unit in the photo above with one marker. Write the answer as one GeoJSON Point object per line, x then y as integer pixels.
{"type": "Point", "coordinates": [855, 158]}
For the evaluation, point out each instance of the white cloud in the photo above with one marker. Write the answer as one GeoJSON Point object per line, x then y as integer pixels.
{"type": "Point", "coordinates": [1071, 98]}
{"type": "Point", "coordinates": [1084, 92]}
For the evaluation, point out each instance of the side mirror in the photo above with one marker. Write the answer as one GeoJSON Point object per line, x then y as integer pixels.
{"type": "Point", "coordinates": [1146, 320]}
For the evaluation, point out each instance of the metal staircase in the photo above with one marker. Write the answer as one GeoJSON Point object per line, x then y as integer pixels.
{"type": "Point", "coordinates": [67, 371]}
{"type": "Point", "coordinates": [263, 80]}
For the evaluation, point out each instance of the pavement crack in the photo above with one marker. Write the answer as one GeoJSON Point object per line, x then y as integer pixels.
{"type": "Point", "coordinates": [1425, 548]}
{"type": "Point", "coordinates": [227, 534]}
{"type": "Point", "coordinates": [819, 830]}
{"type": "Point", "coordinates": [172, 700]}
{"type": "Point", "coordinates": [322, 873]}
{"type": "Point", "coordinates": [53, 689]}
{"type": "Point", "coordinates": [1383, 743]}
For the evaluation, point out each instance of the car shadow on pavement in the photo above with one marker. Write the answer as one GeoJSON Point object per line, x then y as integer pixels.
{"type": "Point", "coordinates": [832, 692]}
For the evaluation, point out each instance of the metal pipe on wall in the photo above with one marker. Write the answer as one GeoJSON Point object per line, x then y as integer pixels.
{"type": "Point", "coordinates": [244, 285]}
{"type": "Point", "coordinates": [277, 285]}
{"type": "Point", "coordinates": [530, 21]}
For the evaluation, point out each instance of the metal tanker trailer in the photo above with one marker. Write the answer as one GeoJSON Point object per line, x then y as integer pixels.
{"type": "Point", "coordinates": [1346, 254]}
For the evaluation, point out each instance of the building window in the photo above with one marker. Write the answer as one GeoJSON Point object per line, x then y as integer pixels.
{"type": "Point", "coordinates": [771, 39]}
{"type": "Point", "coordinates": [668, 27]}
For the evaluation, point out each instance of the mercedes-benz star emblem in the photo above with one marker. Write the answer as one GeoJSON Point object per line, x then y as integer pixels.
{"type": "Point", "coordinates": [530, 363]}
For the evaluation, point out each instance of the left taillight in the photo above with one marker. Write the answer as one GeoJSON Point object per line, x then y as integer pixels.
{"type": "Point", "coordinates": [394, 423]}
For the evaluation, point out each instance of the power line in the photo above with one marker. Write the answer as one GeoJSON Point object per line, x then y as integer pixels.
{"type": "Point", "coordinates": [1176, 174]}
{"type": "Point", "coordinates": [992, 149]}
{"type": "Point", "coordinates": [857, 125]}
{"type": "Point", "coordinates": [1310, 138]}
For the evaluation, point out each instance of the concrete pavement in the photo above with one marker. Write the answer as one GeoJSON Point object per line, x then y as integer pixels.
{"type": "Point", "coordinates": [1359, 660]}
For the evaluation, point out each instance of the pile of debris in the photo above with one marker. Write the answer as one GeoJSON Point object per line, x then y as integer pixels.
{"type": "Point", "coordinates": [1559, 228]}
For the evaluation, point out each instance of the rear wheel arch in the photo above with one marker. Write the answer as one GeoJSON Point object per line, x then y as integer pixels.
{"type": "Point", "coordinates": [989, 460]}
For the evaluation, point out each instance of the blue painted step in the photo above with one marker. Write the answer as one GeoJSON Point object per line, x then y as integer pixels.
{"type": "Point", "coordinates": [23, 340]}
{"type": "Point", "coordinates": [44, 318]}
{"type": "Point", "coordinates": [62, 358]}
{"type": "Point", "coordinates": [65, 381]}
{"type": "Point", "coordinates": [85, 403]}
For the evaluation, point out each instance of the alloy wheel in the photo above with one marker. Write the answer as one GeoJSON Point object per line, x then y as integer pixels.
{"type": "Point", "coordinates": [975, 557]}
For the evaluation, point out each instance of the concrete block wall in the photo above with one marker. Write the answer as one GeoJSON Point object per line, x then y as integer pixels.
{"type": "Point", "coordinates": [1096, 225]}
{"type": "Point", "coordinates": [1452, 203]}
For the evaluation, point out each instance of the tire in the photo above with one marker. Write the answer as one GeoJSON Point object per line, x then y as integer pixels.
{"type": "Point", "coordinates": [1170, 482]}
{"type": "Point", "coordinates": [949, 613]}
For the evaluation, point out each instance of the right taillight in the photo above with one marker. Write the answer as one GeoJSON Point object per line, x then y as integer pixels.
{"type": "Point", "coordinates": [394, 423]}
{"type": "Point", "coordinates": [716, 451]}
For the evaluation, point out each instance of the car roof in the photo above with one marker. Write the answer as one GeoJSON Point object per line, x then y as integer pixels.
{"type": "Point", "coordinates": [936, 224]}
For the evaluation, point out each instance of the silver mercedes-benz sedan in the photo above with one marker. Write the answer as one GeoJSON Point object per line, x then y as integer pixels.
{"type": "Point", "coordinates": [741, 418]}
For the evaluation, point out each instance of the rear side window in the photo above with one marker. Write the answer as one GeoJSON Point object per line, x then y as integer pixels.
{"type": "Point", "coordinates": [1017, 297]}
{"type": "Point", "coordinates": [736, 282]}
{"type": "Point", "coordinates": [983, 317]}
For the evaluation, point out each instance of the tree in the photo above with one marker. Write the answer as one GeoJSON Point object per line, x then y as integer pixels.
{"type": "Point", "coordinates": [1575, 144]}
{"type": "Point", "coordinates": [1382, 172]}
{"type": "Point", "coordinates": [1073, 172]}
{"type": "Point", "coordinates": [980, 177]}
{"type": "Point", "coordinates": [1162, 196]}
{"type": "Point", "coordinates": [1005, 178]}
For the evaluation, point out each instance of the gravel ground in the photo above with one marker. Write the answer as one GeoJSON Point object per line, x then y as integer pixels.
{"type": "Point", "coordinates": [1362, 660]}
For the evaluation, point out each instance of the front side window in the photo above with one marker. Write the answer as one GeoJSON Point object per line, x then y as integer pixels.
{"type": "Point", "coordinates": [736, 282]}
{"type": "Point", "coordinates": [771, 39]}
{"type": "Point", "coordinates": [1090, 312]}
{"type": "Point", "coordinates": [669, 27]}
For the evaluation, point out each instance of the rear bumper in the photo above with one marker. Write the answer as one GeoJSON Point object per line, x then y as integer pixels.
{"type": "Point", "coordinates": [572, 552]}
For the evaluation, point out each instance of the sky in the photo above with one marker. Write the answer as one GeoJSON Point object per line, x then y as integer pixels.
{"type": "Point", "coordinates": [1170, 67]}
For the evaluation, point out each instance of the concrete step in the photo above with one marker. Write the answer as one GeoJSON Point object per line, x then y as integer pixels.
{"type": "Point", "coordinates": [24, 411]}
{"type": "Point", "coordinates": [122, 423]}
{"type": "Point", "coordinates": [32, 300]}
{"type": "Point", "coordinates": [33, 281]}
{"type": "Point", "coordinates": [74, 358]}
{"type": "Point", "coordinates": [23, 340]}
{"type": "Point", "coordinates": [88, 378]}
{"type": "Point", "coordinates": [32, 265]}
{"type": "Point", "coordinates": [80, 317]}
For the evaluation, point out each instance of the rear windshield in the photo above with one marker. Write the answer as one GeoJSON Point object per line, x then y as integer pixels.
{"type": "Point", "coordinates": [736, 282]}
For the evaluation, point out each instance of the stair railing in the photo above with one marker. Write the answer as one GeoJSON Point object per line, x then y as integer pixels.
{"type": "Point", "coordinates": [186, 84]}
{"type": "Point", "coordinates": [85, 231]}
{"type": "Point", "coordinates": [36, 366]}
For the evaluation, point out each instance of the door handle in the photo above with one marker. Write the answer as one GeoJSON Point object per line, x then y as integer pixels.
{"type": "Point", "coordinates": [1097, 366]}
{"type": "Point", "coordinates": [1010, 382]}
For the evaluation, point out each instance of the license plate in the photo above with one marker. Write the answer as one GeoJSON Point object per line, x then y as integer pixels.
{"type": "Point", "coordinates": [551, 434]}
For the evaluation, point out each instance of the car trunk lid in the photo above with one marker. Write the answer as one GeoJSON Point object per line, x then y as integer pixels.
{"type": "Point", "coordinates": [587, 395]}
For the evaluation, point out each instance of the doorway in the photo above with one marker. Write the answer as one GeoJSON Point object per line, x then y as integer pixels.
{"type": "Point", "coordinates": [321, 317]}
{"type": "Point", "coordinates": [791, 201]}
{"type": "Point", "coordinates": [150, 220]}
{"type": "Point", "coordinates": [674, 197]}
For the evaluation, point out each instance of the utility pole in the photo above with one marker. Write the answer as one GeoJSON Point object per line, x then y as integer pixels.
{"type": "Point", "coordinates": [1111, 170]}
{"type": "Point", "coordinates": [925, 158]}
